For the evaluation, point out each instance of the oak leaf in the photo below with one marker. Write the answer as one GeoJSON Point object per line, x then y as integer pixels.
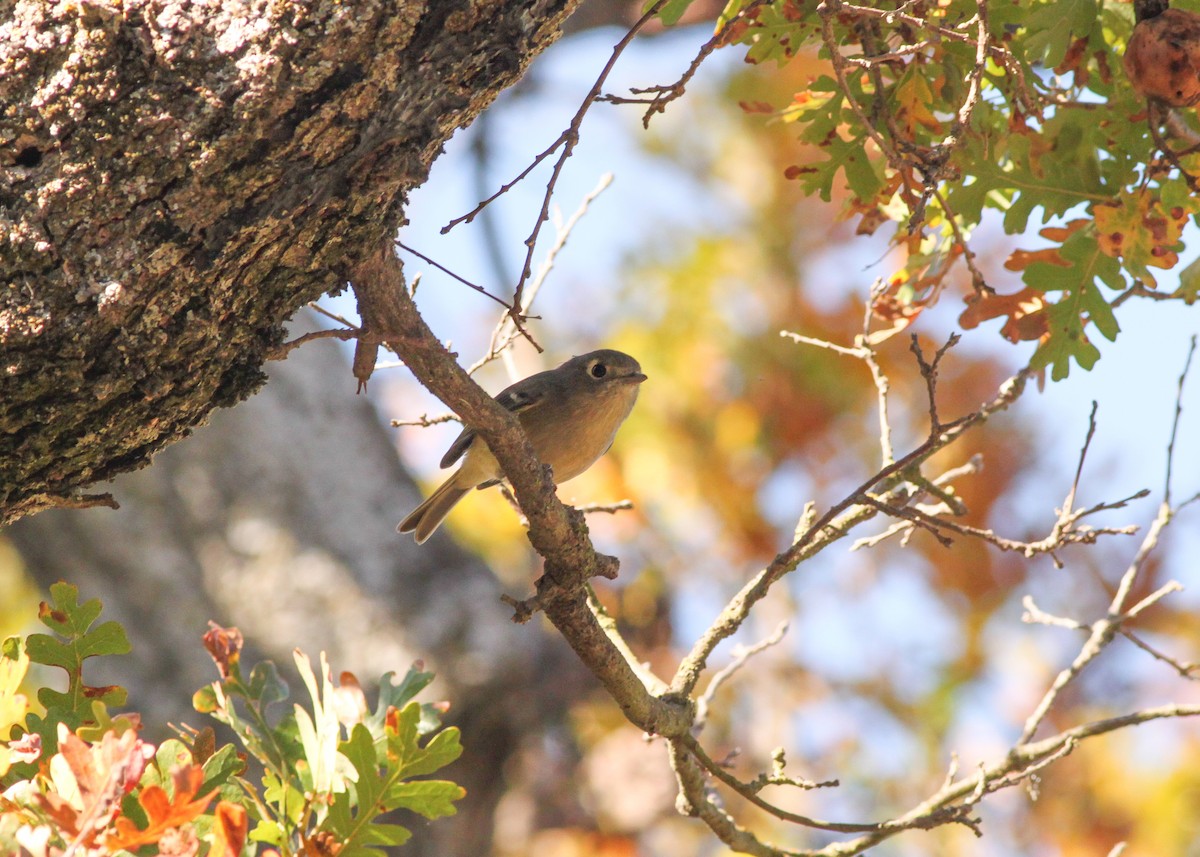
{"type": "Point", "coordinates": [87, 782]}
{"type": "Point", "coordinates": [165, 812]}
{"type": "Point", "coordinates": [1025, 310]}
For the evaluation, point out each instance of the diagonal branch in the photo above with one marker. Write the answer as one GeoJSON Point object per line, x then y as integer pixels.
{"type": "Point", "coordinates": [832, 526]}
{"type": "Point", "coordinates": [557, 533]}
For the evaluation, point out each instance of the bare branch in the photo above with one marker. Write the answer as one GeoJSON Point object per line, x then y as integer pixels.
{"type": "Point", "coordinates": [1187, 365]}
{"type": "Point", "coordinates": [609, 625]}
{"type": "Point", "coordinates": [882, 384]}
{"type": "Point", "coordinates": [606, 508]}
{"type": "Point", "coordinates": [506, 330]}
{"type": "Point", "coordinates": [279, 352]}
{"type": "Point", "coordinates": [79, 501]}
{"type": "Point", "coordinates": [1186, 669]}
{"type": "Point", "coordinates": [1087, 442]}
{"type": "Point", "coordinates": [567, 141]}
{"type": "Point", "coordinates": [929, 371]}
{"type": "Point", "coordinates": [664, 94]}
{"type": "Point", "coordinates": [1022, 762]}
{"type": "Point", "coordinates": [557, 533]}
{"type": "Point", "coordinates": [425, 421]}
{"type": "Point", "coordinates": [333, 316]}
{"type": "Point", "coordinates": [740, 655]}
{"type": "Point", "coordinates": [830, 527]}
{"type": "Point", "coordinates": [453, 275]}
{"type": "Point", "coordinates": [1036, 615]}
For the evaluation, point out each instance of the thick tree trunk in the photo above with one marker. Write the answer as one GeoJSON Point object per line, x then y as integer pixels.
{"type": "Point", "coordinates": [177, 177]}
{"type": "Point", "coordinates": [279, 518]}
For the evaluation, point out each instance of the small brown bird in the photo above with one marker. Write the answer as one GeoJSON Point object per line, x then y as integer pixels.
{"type": "Point", "coordinates": [1162, 59]}
{"type": "Point", "coordinates": [570, 415]}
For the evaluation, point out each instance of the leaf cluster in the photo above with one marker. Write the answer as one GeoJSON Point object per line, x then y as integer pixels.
{"type": "Point", "coordinates": [77, 780]}
{"type": "Point", "coordinates": [938, 118]}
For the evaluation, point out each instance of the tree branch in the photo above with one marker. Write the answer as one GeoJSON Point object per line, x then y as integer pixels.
{"type": "Point", "coordinates": [557, 533]}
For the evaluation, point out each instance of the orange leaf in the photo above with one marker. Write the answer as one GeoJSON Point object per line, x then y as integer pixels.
{"type": "Point", "coordinates": [1022, 259]}
{"type": "Point", "coordinates": [229, 831]}
{"type": "Point", "coordinates": [1025, 310]}
{"type": "Point", "coordinates": [87, 781]}
{"type": "Point", "coordinates": [1059, 234]}
{"type": "Point", "coordinates": [165, 813]}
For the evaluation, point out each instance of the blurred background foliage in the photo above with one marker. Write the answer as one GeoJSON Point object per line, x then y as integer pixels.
{"type": "Point", "coordinates": [898, 658]}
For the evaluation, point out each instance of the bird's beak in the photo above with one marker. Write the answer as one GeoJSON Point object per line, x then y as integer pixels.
{"type": "Point", "coordinates": [635, 378]}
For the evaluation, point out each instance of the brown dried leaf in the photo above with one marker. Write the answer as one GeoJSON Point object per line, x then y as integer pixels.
{"type": "Point", "coordinates": [1025, 310]}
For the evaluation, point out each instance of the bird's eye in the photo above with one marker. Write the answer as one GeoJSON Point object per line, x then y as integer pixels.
{"type": "Point", "coordinates": [598, 370]}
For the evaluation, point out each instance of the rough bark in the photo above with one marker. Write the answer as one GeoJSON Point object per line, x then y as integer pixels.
{"type": "Point", "coordinates": [178, 176]}
{"type": "Point", "coordinates": [279, 517]}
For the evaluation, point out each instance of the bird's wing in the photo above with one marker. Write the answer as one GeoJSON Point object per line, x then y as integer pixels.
{"type": "Point", "coordinates": [516, 398]}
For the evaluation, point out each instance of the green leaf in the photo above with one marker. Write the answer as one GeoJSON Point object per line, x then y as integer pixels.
{"type": "Point", "coordinates": [205, 700]}
{"type": "Point", "coordinates": [66, 616]}
{"type": "Point", "coordinates": [221, 767]}
{"type": "Point", "coordinates": [1052, 26]}
{"type": "Point", "coordinates": [11, 648]}
{"type": "Point", "coordinates": [1066, 341]}
{"type": "Point", "coordinates": [441, 750]}
{"type": "Point", "coordinates": [382, 789]}
{"type": "Point", "coordinates": [266, 685]}
{"type": "Point", "coordinates": [430, 798]}
{"type": "Point", "coordinates": [74, 640]}
{"type": "Point", "coordinates": [671, 12]}
{"type": "Point", "coordinates": [1189, 282]}
{"type": "Point", "coordinates": [350, 819]}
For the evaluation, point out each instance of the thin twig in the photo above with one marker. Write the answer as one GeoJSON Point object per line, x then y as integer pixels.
{"type": "Point", "coordinates": [450, 273]}
{"type": "Point", "coordinates": [609, 625]}
{"type": "Point", "coordinates": [664, 94]}
{"type": "Point", "coordinates": [281, 351]}
{"type": "Point", "coordinates": [80, 501]}
{"type": "Point", "coordinates": [425, 421]}
{"type": "Point", "coordinates": [978, 281]}
{"type": "Point", "coordinates": [694, 748]}
{"type": "Point", "coordinates": [320, 310]}
{"type": "Point", "coordinates": [567, 141]}
{"type": "Point", "coordinates": [882, 384]}
{"type": "Point", "coordinates": [1063, 533]}
{"type": "Point", "coordinates": [827, 10]}
{"type": "Point", "coordinates": [1069, 502]}
{"type": "Point", "coordinates": [606, 508]}
{"type": "Point", "coordinates": [1102, 630]}
{"type": "Point", "coordinates": [1036, 615]}
{"type": "Point", "coordinates": [740, 655]}
{"type": "Point", "coordinates": [777, 777]}
{"type": "Point", "coordinates": [929, 372]}
{"type": "Point", "coordinates": [1187, 365]}
{"type": "Point", "coordinates": [1018, 765]}
{"type": "Point", "coordinates": [828, 528]}
{"type": "Point", "coordinates": [505, 332]}
{"type": "Point", "coordinates": [1186, 669]}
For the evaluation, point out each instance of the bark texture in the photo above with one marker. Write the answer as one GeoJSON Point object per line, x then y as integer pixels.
{"type": "Point", "coordinates": [178, 176]}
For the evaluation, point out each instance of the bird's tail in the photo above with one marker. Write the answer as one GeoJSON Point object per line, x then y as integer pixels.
{"type": "Point", "coordinates": [427, 517]}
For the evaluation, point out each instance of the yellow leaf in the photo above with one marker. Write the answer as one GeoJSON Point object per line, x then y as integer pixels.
{"type": "Point", "coordinates": [914, 97]}
{"type": "Point", "coordinates": [13, 704]}
{"type": "Point", "coordinates": [1140, 231]}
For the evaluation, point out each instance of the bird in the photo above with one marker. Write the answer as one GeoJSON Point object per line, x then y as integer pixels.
{"type": "Point", "coordinates": [1162, 59]}
{"type": "Point", "coordinates": [570, 415]}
